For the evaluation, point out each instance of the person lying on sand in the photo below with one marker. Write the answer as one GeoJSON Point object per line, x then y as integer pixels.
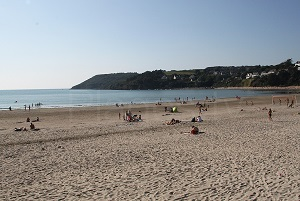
{"type": "Point", "coordinates": [173, 121]}
{"type": "Point", "coordinates": [37, 119]}
{"type": "Point", "coordinates": [20, 129]}
{"type": "Point", "coordinates": [194, 130]}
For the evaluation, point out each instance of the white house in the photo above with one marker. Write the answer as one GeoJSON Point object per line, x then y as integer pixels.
{"type": "Point", "coordinates": [297, 64]}
{"type": "Point", "coordinates": [249, 75]}
{"type": "Point", "coordinates": [271, 72]}
{"type": "Point", "coordinates": [267, 73]}
{"type": "Point", "coordinates": [255, 75]}
{"type": "Point", "coordinates": [264, 73]}
{"type": "Point", "coordinates": [252, 75]}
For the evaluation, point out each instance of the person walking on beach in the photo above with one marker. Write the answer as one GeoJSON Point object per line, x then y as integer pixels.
{"type": "Point", "coordinates": [270, 114]}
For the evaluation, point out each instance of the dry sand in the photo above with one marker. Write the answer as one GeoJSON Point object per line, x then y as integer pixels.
{"type": "Point", "coordinates": [89, 154]}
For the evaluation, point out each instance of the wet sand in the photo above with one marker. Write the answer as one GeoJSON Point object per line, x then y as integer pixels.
{"type": "Point", "coordinates": [91, 154]}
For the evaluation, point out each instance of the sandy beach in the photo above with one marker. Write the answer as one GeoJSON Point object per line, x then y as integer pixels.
{"type": "Point", "coordinates": [89, 153]}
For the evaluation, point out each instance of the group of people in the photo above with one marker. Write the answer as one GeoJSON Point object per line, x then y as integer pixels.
{"type": "Point", "coordinates": [117, 105]}
{"type": "Point", "coordinates": [28, 119]}
{"type": "Point", "coordinates": [198, 119]}
{"type": "Point", "coordinates": [29, 106]}
{"type": "Point", "coordinates": [128, 116]}
{"type": "Point", "coordinates": [287, 102]}
{"type": "Point", "coordinates": [194, 130]}
{"type": "Point", "coordinates": [32, 126]}
{"type": "Point", "coordinates": [201, 107]}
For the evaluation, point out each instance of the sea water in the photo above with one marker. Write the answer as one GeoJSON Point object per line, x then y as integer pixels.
{"type": "Point", "coordinates": [55, 98]}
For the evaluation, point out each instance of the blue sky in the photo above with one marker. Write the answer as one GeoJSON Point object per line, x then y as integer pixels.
{"type": "Point", "coordinates": [60, 43]}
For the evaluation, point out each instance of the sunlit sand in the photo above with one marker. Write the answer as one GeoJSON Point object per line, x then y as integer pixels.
{"type": "Point", "coordinates": [89, 153]}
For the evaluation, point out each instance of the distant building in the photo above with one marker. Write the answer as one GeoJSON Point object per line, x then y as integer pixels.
{"type": "Point", "coordinates": [264, 73]}
{"type": "Point", "coordinates": [267, 73]}
{"type": "Point", "coordinates": [249, 75]}
{"type": "Point", "coordinates": [252, 75]}
{"type": "Point", "coordinates": [297, 64]}
{"type": "Point", "coordinates": [255, 75]}
{"type": "Point", "coordinates": [271, 72]}
{"type": "Point", "coordinates": [217, 73]}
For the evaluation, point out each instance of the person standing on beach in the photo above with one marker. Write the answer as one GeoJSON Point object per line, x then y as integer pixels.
{"type": "Point", "coordinates": [200, 109]}
{"type": "Point", "coordinates": [270, 114]}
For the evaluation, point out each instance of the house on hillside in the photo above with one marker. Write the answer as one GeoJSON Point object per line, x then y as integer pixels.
{"type": "Point", "coordinates": [267, 73]}
{"type": "Point", "coordinates": [297, 65]}
{"type": "Point", "coordinates": [252, 75]}
{"type": "Point", "coordinates": [264, 73]}
{"type": "Point", "coordinates": [272, 72]}
{"type": "Point", "coordinates": [249, 75]}
{"type": "Point", "coordinates": [217, 73]}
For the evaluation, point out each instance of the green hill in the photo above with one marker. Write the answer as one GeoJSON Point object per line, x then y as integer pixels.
{"type": "Point", "coordinates": [283, 74]}
{"type": "Point", "coordinates": [106, 81]}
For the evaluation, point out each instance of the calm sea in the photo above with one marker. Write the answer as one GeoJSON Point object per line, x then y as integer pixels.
{"type": "Point", "coordinates": [55, 98]}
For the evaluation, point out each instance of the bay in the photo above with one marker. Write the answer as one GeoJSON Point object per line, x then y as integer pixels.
{"type": "Point", "coordinates": [56, 98]}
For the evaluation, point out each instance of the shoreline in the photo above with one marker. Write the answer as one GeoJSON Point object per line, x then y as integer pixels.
{"type": "Point", "coordinates": [264, 88]}
{"type": "Point", "coordinates": [63, 104]}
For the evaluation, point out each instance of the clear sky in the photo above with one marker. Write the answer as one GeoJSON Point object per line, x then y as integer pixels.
{"type": "Point", "coordinates": [60, 43]}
